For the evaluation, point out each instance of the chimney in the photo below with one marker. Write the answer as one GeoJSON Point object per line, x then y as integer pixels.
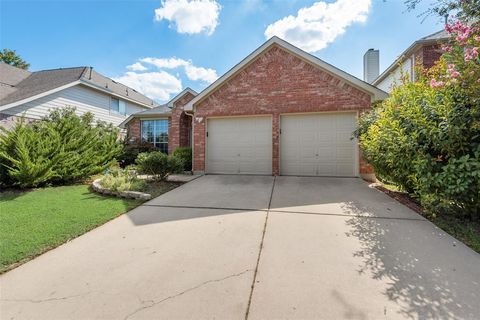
{"type": "Point", "coordinates": [371, 65]}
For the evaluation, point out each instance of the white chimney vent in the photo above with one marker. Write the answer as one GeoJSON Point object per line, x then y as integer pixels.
{"type": "Point", "coordinates": [371, 65]}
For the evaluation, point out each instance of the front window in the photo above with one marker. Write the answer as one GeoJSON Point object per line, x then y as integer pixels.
{"type": "Point", "coordinates": [118, 106]}
{"type": "Point", "coordinates": [156, 133]}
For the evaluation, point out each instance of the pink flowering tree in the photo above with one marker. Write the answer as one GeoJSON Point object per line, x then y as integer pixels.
{"type": "Point", "coordinates": [426, 136]}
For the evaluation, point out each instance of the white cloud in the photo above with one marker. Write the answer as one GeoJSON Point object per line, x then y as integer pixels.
{"type": "Point", "coordinates": [193, 73]}
{"type": "Point", "coordinates": [314, 27]}
{"type": "Point", "coordinates": [156, 85]}
{"type": "Point", "coordinates": [190, 16]}
{"type": "Point", "coordinates": [137, 66]}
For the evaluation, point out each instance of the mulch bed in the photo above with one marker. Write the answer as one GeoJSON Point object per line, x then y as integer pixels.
{"type": "Point", "coordinates": [401, 197]}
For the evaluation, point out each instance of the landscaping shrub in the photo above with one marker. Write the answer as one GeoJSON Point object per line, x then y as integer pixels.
{"type": "Point", "coordinates": [158, 164]}
{"type": "Point", "coordinates": [131, 151]}
{"type": "Point", "coordinates": [184, 154]}
{"type": "Point", "coordinates": [426, 136]}
{"type": "Point", "coordinates": [61, 148]}
{"type": "Point", "coordinates": [122, 180]}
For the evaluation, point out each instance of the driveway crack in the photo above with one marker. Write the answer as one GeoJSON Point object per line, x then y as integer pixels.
{"type": "Point", "coordinates": [47, 299]}
{"type": "Point", "coordinates": [153, 303]}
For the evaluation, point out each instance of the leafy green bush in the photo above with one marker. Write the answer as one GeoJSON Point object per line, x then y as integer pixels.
{"type": "Point", "coordinates": [158, 164]}
{"type": "Point", "coordinates": [185, 154]}
{"type": "Point", "coordinates": [61, 148]}
{"type": "Point", "coordinates": [122, 180]}
{"type": "Point", "coordinates": [131, 151]}
{"type": "Point", "coordinates": [426, 136]}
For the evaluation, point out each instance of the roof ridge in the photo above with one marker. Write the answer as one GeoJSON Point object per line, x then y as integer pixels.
{"type": "Point", "coordinates": [55, 69]}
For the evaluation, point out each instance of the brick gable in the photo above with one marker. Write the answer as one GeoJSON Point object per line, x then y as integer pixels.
{"type": "Point", "coordinates": [276, 82]}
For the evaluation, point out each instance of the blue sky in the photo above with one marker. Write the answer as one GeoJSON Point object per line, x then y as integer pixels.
{"type": "Point", "coordinates": [184, 44]}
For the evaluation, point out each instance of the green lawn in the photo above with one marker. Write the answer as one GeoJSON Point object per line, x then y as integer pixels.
{"type": "Point", "coordinates": [35, 221]}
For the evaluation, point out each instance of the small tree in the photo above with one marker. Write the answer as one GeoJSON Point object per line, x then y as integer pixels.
{"type": "Point", "coordinates": [158, 164]}
{"type": "Point", "coordinates": [12, 58]}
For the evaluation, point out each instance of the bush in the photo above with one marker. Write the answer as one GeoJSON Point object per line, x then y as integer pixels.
{"type": "Point", "coordinates": [158, 164]}
{"type": "Point", "coordinates": [61, 148]}
{"type": "Point", "coordinates": [426, 136]}
{"type": "Point", "coordinates": [184, 154]}
{"type": "Point", "coordinates": [122, 180]}
{"type": "Point", "coordinates": [131, 151]}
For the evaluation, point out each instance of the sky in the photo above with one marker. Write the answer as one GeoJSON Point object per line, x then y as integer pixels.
{"type": "Point", "coordinates": [161, 47]}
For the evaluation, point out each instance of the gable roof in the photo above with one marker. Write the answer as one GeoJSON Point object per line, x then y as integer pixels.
{"type": "Point", "coordinates": [350, 79]}
{"type": "Point", "coordinates": [433, 38]}
{"type": "Point", "coordinates": [162, 110]}
{"type": "Point", "coordinates": [20, 86]}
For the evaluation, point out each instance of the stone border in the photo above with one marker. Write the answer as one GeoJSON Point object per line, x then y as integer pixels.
{"type": "Point", "coordinates": [97, 187]}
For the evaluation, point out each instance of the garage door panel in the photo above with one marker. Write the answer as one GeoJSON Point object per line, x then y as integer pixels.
{"type": "Point", "coordinates": [239, 145]}
{"type": "Point", "coordinates": [318, 144]}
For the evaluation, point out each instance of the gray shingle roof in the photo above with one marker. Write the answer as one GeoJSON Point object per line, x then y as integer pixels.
{"type": "Point", "coordinates": [18, 84]}
{"type": "Point", "coordinates": [9, 77]}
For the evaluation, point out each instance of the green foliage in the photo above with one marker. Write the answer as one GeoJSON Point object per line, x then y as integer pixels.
{"type": "Point", "coordinates": [131, 151]}
{"type": "Point", "coordinates": [460, 9]}
{"type": "Point", "coordinates": [158, 164]}
{"type": "Point", "coordinates": [122, 180]}
{"type": "Point", "coordinates": [426, 136]}
{"type": "Point", "coordinates": [12, 58]}
{"type": "Point", "coordinates": [61, 148]}
{"type": "Point", "coordinates": [185, 154]}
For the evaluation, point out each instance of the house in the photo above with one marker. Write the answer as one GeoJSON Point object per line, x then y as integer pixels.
{"type": "Point", "coordinates": [280, 111]}
{"type": "Point", "coordinates": [424, 52]}
{"type": "Point", "coordinates": [31, 95]}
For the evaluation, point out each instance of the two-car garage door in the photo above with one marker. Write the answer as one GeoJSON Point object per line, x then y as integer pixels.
{"type": "Point", "coordinates": [310, 145]}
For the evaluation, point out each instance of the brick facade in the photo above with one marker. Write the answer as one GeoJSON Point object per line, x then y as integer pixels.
{"type": "Point", "coordinates": [180, 124]}
{"type": "Point", "coordinates": [427, 55]}
{"type": "Point", "coordinates": [276, 82]}
{"type": "Point", "coordinates": [133, 131]}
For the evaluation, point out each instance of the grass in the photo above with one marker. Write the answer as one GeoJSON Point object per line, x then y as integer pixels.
{"type": "Point", "coordinates": [35, 221]}
{"type": "Point", "coordinates": [463, 230]}
{"type": "Point", "coordinates": [466, 231]}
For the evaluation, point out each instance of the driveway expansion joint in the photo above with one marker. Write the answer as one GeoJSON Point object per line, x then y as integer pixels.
{"type": "Point", "coordinates": [260, 250]}
{"type": "Point", "coordinates": [202, 207]}
{"type": "Point", "coordinates": [346, 215]}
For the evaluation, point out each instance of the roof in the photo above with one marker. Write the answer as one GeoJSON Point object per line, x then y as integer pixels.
{"type": "Point", "coordinates": [162, 110]}
{"type": "Point", "coordinates": [352, 80]}
{"type": "Point", "coordinates": [433, 38]}
{"type": "Point", "coordinates": [20, 86]}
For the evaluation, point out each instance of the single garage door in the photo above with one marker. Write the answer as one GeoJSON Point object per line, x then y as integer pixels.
{"type": "Point", "coordinates": [318, 145]}
{"type": "Point", "coordinates": [239, 145]}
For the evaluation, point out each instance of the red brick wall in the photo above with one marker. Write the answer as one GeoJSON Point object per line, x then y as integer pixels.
{"type": "Point", "coordinates": [180, 125]}
{"type": "Point", "coordinates": [276, 82]}
{"type": "Point", "coordinates": [426, 56]}
{"type": "Point", "coordinates": [134, 131]}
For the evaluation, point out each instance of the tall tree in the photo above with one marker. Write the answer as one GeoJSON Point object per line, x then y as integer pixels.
{"type": "Point", "coordinates": [12, 58]}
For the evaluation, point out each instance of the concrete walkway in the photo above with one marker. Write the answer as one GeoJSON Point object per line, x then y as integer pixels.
{"type": "Point", "coordinates": [251, 247]}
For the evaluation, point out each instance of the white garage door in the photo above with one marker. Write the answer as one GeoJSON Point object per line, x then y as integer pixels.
{"type": "Point", "coordinates": [318, 145]}
{"type": "Point", "coordinates": [239, 145]}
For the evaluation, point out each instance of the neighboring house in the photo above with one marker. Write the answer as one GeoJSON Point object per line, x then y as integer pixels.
{"type": "Point", "coordinates": [423, 52]}
{"type": "Point", "coordinates": [31, 95]}
{"type": "Point", "coordinates": [279, 111]}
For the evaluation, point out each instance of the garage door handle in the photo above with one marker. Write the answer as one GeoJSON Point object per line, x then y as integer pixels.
{"type": "Point", "coordinates": [316, 155]}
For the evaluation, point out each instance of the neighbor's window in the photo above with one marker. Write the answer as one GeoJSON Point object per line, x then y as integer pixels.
{"type": "Point", "coordinates": [156, 133]}
{"type": "Point", "coordinates": [118, 106]}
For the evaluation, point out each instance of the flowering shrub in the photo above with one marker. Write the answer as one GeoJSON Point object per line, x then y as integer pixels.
{"type": "Point", "coordinates": [426, 135]}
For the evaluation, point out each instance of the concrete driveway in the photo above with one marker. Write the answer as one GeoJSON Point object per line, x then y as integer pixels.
{"type": "Point", "coordinates": [251, 247]}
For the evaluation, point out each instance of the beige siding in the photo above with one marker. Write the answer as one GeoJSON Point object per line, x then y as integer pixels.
{"type": "Point", "coordinates": [394, 77]}
{"type": "Point", "coordinates": [81, 97]}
